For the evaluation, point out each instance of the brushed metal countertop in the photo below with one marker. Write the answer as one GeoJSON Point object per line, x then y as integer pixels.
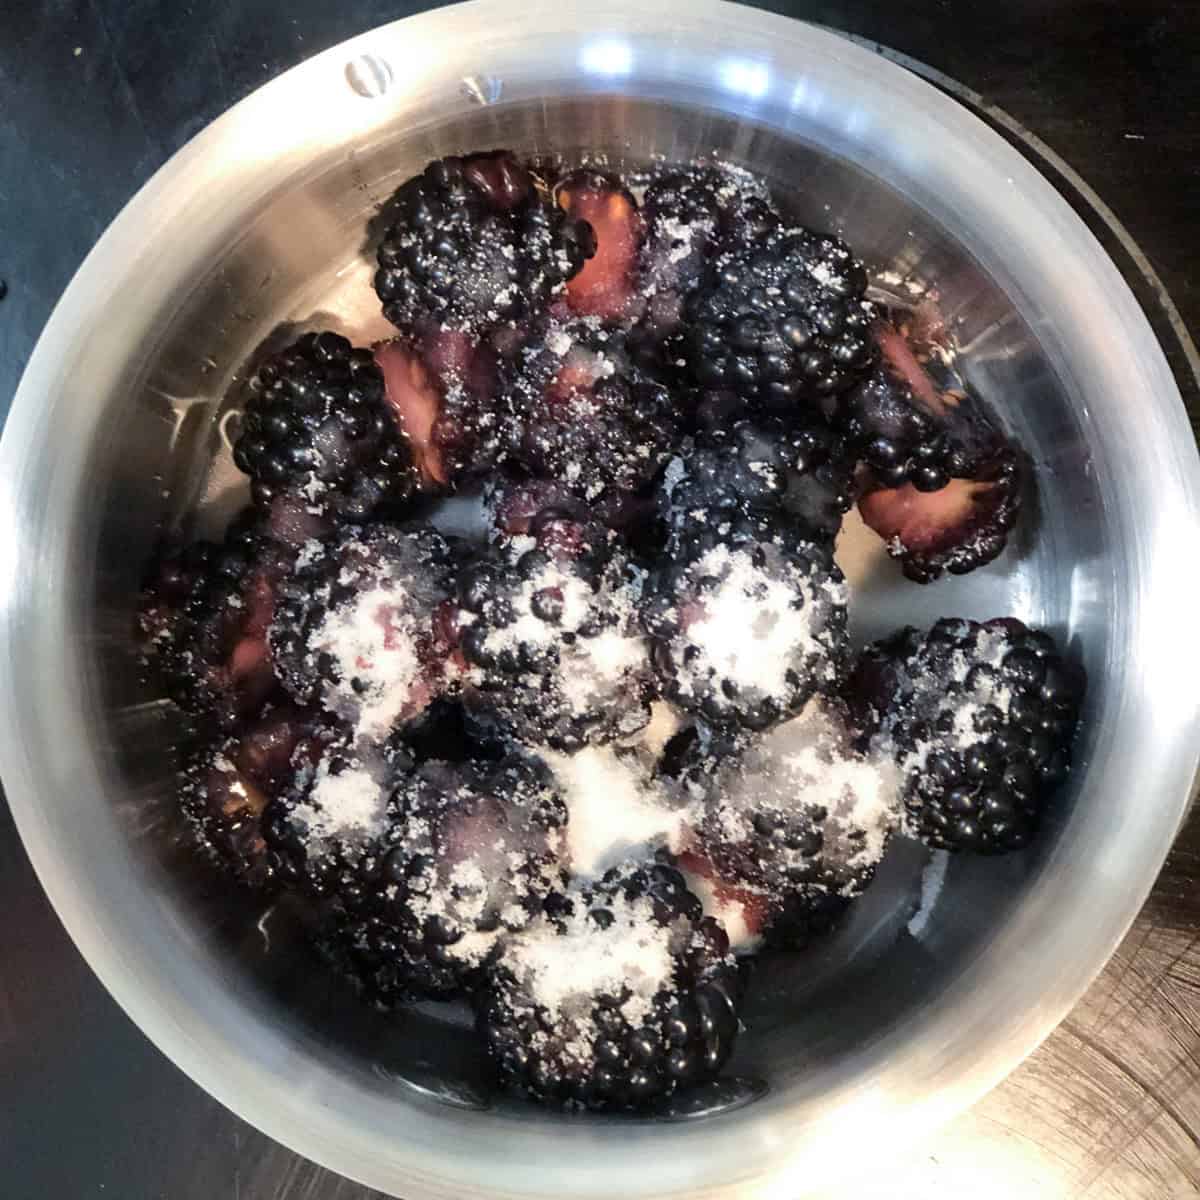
{"type": "Point", "coordinates": [97, 93]}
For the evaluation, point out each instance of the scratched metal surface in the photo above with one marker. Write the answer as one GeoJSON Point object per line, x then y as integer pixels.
{"type": "Point", "coordinates": [94, 94]}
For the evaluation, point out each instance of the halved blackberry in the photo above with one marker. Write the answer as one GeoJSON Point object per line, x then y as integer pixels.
{"type": "Point", "coordinates": [553, 633]}
{"type": "Point", "coordinates": [226, 788]}
{"type": "Point", "coordinates": [469, 853]}
{"type": "Point", "coordinates": [362, 625]}
{"type": "Point", "coordinates": [204, 618]}
{"type": "Point", "coordinates": [621, 994]}
{"type": "Point", "coordinates": [943, 481]}
{"type": "Point", "coordinates": [963, 526]}
{"type": "Point", "coordinates": [980, 719]}
{"type": "Point", "coordinates": [473, 244]}
{"type": "Point", "coordinates": [441, 388]}
{"type": "Point", "coordinates": [585, 415]}
{"type": "Point", "coordinates": [799, 476]}
{"type": "Point", "coordinates": [606, 286]}
{"type": "Point", "coordinates": [782, 322]}
{"type": "Point", "coordinates": [798, 815]}
{"type": "Point", "coordinates": [745, 633]}
{"type": "Point", "coordinates": [317, 423]}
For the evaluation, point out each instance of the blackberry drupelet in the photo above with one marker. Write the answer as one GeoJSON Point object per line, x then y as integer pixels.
{"type": "Point", "coordinates": [363, 628]}
{"type": "Point", "coordinates": [745, 633]}
{"type": "Point", "coordinates": [586, 416]}
{"type": "Point", "coordinates": [468, 854]}
{"type": "Point", "coordinates": [795, 477]}
{"type": "Point", "coordinates": [782, 322]}
{"type": "Point", "coordinates": [204, 620]}
{"type": "Point", "coordinates": [980, 719]}
{"type": "Point", "coordinates": [621, 994]}
{"type": "Point", "coordinates": [553, 634]}
{"type": "Point", "coordinates": [317, 423]}
{"type": "Point", "coordinates": [475, 244]}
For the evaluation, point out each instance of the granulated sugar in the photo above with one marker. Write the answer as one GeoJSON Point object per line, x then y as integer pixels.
{"type": "Point", "coordinates": [932, 879]}
{"type": "Point", "coordinates": [755, 625]}
{"type": "Point", "coordinates": [805, 764]}
{"type": "Point", "coordinates": [564, 970]}
{"type": "Point", "coordinates": [373, 641]}
{"type": "Point", "coordinates": [349, 802]}
{"type": "Point", "coordinates": [616, 810]}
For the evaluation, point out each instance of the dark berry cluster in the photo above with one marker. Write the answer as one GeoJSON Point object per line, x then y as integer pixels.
{"type": "Point", "coordinates": [658, 1012]}
{"type": "Point", "coordinates": [468, 852]}
{"type": "Point", "coordinates": [205, 618]}
{"type": "Point", "coordinates": [553, 636]}
{"type": "Point", "coordinates": [318, 423]}
{"type": "Point", "coordinates": [359, 626]}
{"type": "Point", "coordinates": [558, 765]}
{"type": "Point", "coordinates": [585, 414]}
{"type": "Point", "coordinates": [797, 478]}
{"type": "Point", "coordinates": [980, 719]}
{"type": "Point", "coordinates": [746, 633]}
{"type": "Point", "coordinates": [785, 321]}
{"type": "Point", "coordinates": [474, 243]}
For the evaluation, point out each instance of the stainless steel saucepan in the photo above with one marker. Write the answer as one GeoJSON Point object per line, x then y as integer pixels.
{"type": "Point", "coordinates": [122, 424]}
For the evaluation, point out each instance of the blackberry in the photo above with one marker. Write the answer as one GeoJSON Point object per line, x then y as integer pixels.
{"type": "Point", "coordinates": [586, 416]}
{"type": "Point", "coordinates": [903, 443]}
{"type": "Point", "coordinates": [474, 244]}
{"type": "Point", "coordinates": [328, 818]}
{"type": "Point", "coordinates": [441, 387]}
{"type": "Point", "coordinates": [362, 625]}
{"type": "Point", "coordinates": [799, 478]}
{"type": "Point", "coordinates": [745, 634]}
{"type": "Point", "coordinates": [468, 854]}
{"type": "Point", "coordinates": [512, 501]}
{"type": "Point", "coordinates": [943, 482]}
{"type": "Point", "coordinates": [553, 635]}
{"type": "Point", "coordinates": [684, 216]}
{"type": "Point", "coordinates": [226, 788]}
{"type": "Point", "coordinates": [317, 423]}
{"type": "Point", "coordinates": [980, 719]}
{"type": "Point", "coordinates": [799, 815]}
{"type": "Point", "coordinates": [689, 216]}
{"type": "Point", "coordinates": [782, 322]}
{"type": "Point", "coordinates": [621, 994]}
{"type": "Point", "coordinates": [204, 619]}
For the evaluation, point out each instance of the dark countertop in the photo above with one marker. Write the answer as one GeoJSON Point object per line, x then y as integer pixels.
{"type": "Point", "coordinates": [95, 94]}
